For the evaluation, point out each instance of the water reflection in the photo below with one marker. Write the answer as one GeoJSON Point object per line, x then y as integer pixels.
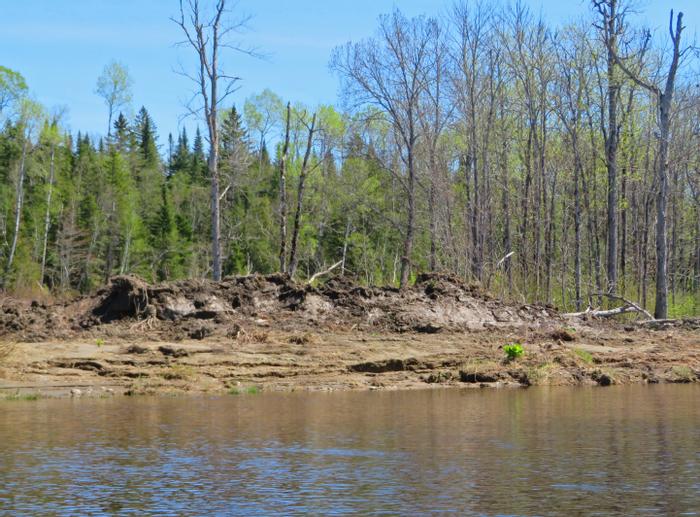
{"type": "Point", "coordinates": [628, 450]}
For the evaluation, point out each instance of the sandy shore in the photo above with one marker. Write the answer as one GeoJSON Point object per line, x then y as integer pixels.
{"type": "Point", "coordinates": [266, 359]}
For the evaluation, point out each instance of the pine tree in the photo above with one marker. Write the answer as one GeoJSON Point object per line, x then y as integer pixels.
{"type": "Point", "coordinates": [164, 239]}
{"type": "Point", "coordinates": [121, 132]}
{"type": "Point", "coordinates": [145, 132]}
{"type": "Point", "coordinates": [199, 160]}
{"type": "Point", "coordinates": [182, 158]}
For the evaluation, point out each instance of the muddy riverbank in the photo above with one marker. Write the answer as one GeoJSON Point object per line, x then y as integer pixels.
{"type": "Point", "coordinates": [268, 333]}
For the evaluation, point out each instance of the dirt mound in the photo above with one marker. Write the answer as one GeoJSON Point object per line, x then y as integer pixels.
{"type": "Point", "coordinates": [199, 308]}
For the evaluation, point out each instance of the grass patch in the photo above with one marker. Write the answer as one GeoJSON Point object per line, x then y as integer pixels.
{"type": "Point", "coordinates": [178, 372]}
{"type": "Point", "coordinates": [538, 375]}
{"type": "Point", "coordinates": [585, 356]}
{"type": "Point", "coordinates": [250, 390]}
{"type": "Point", "coordinates": [14, 397]}
{"type": "Point", "coordinates": [682, 373]}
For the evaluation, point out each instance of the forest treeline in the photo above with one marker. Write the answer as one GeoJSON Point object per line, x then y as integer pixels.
{"type": "Point", "coordinates": [546, 163]}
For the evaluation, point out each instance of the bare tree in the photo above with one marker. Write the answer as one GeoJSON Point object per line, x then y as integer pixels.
{"type": "Point", "coordinates": [208, 34]}
{"type": "Point", "coordinates": [389, 72]}
{"type": "Point", "coordinates": [283, 193]}
{"type": "Point", "coordinates": [612, 17]}
{"type": "Point", "coordinates": [664, 100]}
{"type": "Point", "coordinates": [293, 254]}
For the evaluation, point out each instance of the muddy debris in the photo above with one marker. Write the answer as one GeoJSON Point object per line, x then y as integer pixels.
{"type": "Point", "coordinates": [435, 303]}
{"type": "Point", "coordinates": [170, 351]}
{"type": "Point", "coordinates": [271, 331]}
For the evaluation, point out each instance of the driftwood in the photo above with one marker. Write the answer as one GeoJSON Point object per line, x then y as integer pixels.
{"type": "Point", "coordinates": [321, 273]}
{"type": "Point", "coordinates": [629, 306]}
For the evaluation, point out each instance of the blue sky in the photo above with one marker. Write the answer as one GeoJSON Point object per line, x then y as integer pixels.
{"type": "Point", "coordinates": [61, 46]}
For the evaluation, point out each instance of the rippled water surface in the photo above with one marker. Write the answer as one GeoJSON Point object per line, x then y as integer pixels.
{"type": "Point", "coordinates": [626, 450]}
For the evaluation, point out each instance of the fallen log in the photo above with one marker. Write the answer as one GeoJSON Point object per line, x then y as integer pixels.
{"type": "Point", "coordinates": [608, 313]}
{"type": "Point", "coordinates": [629, 306]}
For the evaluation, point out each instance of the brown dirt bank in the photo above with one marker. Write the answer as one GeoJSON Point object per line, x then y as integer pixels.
{"type": "Point", "coordinates": [273, 334]}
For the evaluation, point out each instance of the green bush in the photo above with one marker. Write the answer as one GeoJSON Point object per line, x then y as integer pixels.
{"type": "Point", "coordinates": [513, 351]}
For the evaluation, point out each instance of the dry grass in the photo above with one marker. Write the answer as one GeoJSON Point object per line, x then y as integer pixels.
{"type": "Point", "coordinates": [6, 350]}
{"type": "Point", "coordinates": [256, 336]}
{"type": "Point", "coordinates": [303, 339]}
{"type": "Point", "coordinates": [178, 372]}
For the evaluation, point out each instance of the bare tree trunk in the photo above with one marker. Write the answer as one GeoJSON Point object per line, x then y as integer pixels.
{"type": "Point", "coordinates": [577, 230]}
{"type": "Point", "coordinates": [213, 164]}
{"type": "Point", "coordinates": [346, 237]}
{"type": "Point", "coordinates": [207, 36]}
{"type": "Point", "coordinates": [18, 210]}
{"type": "Point", "coordinates": [283, 195]}
{"type": "Point", "coordinates": [47, 216]}
{"type": "Point", "coordinates": [410, 218]}
{"type": "Point", "coordinates": [611, 28]}
{"type": "Point", "coordinates": [664, 100]}
{"type": "Point", "coordinates": [293, 258]}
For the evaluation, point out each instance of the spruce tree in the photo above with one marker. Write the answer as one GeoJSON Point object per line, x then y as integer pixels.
{"type": "Point", "coordinates": [145, 132]}
{"type": "Point", "coordinates": [121, 132]}
{"type": "Point", "coordinates": [199, 160]}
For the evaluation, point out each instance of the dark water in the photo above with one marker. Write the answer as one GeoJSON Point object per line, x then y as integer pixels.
{"type": "Point", "coordinates": [630, 451]}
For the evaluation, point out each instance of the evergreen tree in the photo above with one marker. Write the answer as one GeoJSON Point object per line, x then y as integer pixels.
{"type": "Point", "coordinates": [182, 158]}
{"type": "Point", "coordinates": [145, 132]}
{"type": "Point", "coordinates": [199, 160]}
{"type": "Point", "coordinates": [121, 132]}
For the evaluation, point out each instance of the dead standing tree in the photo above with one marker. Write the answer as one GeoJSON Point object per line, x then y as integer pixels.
{"type": "Point", "coordinates": [664, 100]}
{"type": "Point", "coordinates": [294, 254]}
{"type": "Point", "coordinates": [208, 34]}
{"type": "Point", "coordinates": [611, 28]}
{"type": "Point", "coordinates": [389, 72]}
{"type": "Point", "coordinates": [283, 193]}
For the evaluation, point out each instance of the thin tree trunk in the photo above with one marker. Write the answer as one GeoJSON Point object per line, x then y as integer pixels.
{"type": "Point", "coordinates": [410, 219]}
{"type": "Point", "coordinates": [293, 259]}
{"type": "Point", "coordinates": [283, 195]}
{"type": "Point", "coordinates": [18, 210]}
{"type": "Point", "coordinates": [47, 216]}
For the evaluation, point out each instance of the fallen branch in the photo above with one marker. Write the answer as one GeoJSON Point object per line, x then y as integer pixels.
{"type": "Point", "coordinates": [588, 311]}
{"type": "Point", "coordinates": [606, 313]}
{"type": "Point", "coordinates": [627, 302]}
{"type": "Point", "coordinates": [498, 264]}
{"type": "Point", "coordinates": [321, 273]}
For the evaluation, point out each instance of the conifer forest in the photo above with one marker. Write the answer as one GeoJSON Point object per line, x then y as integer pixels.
{"type": "Point", "coordinates": [546, 163]}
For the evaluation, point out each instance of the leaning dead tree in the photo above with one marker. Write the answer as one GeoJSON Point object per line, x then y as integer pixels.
{"type": "Point", "coordinates": [208, 34]}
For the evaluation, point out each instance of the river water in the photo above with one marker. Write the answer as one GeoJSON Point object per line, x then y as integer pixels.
{"type": "Point", "coordinates": [598, 451]}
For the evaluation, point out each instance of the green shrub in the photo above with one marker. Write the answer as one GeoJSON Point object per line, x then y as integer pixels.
{"type": "Point", "coordinates": [513, 351]}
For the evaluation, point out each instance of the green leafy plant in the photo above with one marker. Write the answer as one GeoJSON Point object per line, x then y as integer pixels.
{"type": "Point", "coordinates": [514, 351]}
{"type": "Point", "coordinates": [99, 342]}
